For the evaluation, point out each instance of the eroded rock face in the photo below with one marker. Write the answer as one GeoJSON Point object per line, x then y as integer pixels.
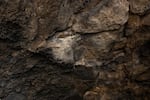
{"type": "Point", "coordinates": [139, 6]}
{"type": "Point", "coordinates": [91, 48]}
{"type": "Point", "coordinates": [109, 16]}
{"type": "Point", "coordinates": [74, 49]}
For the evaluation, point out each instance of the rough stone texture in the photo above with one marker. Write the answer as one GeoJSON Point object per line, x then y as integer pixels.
{"type": "Point", "coordinates": [139, 6]}
{"type": "Point", "coordinates": [74, 49]}
{"type": "Point", "coordinates": [111, 16]}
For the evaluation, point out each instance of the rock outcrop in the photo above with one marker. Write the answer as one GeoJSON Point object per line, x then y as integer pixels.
{"type": "Point", "coordinates": [74, 49]}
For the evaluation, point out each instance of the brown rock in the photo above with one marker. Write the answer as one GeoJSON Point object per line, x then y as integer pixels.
{"type": "Point", "coordinates": [139, 6]}
{"type": "Point", "coordinates": [48, 53]}
{"type": "Point", "coordinates": [109, 17]}
{"type": "Point", "coordinates": [146, 21]}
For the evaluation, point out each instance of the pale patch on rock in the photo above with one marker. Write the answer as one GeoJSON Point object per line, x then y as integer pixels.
{"type": "Point", "coordinates": [62, 46]}
{"type": "Point", "coordinates": [92, 48]}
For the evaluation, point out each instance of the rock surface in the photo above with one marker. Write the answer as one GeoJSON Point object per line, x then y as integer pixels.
{"type": "Point", "coordinates": [74, 49]}
{"type": "Point", "coordinates": [139, 6]}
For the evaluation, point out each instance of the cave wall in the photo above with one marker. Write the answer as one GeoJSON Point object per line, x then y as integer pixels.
{"type": "Point", "coordinates": [74, 49]}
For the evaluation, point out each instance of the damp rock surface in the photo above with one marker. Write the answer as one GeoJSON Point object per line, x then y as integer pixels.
{"type": "Point", "coordinates": [74, 49]}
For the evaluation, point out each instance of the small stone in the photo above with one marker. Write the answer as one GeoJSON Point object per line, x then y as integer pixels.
{"type": "Point", "coordinates": [18, 89]}
{"type": "Point", "coordinates": [91, 95]}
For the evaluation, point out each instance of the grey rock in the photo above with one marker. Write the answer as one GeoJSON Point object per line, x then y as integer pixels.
{"type": "Point", "coordinates": [2, 83]}
{"type": "Point", "coordinates": [15, 96]}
